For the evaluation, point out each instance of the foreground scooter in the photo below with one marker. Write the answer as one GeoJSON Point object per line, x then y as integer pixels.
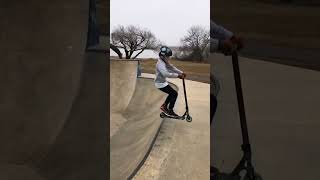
{"type": "Point", "coordinates": [244, 170]}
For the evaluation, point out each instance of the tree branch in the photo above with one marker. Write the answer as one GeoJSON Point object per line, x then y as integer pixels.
{"type": "Point", "coordinates": [138, 53]}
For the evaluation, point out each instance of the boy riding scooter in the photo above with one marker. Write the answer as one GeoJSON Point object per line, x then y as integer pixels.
{"type": "Point", "coordinates": [164, 70]}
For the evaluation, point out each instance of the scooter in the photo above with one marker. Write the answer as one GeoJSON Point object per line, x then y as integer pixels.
{"type": "Point", "coordinates": [244, 170]}
{"type": "Point", "coordinates": [186, 116]}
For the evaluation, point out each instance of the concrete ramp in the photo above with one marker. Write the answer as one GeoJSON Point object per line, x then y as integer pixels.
{"type": "Point", "coordinates": [123, 77]}
{"type": "Point", "coordinates": [141, 122]}
{"type": "Point", "coordinates": [50, 124]}
{"type": "Point", "coordinates": [40, 74]}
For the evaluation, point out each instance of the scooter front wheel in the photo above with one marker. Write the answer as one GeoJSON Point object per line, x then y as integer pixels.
{"type": "Point", "coordinates": [162, 115]}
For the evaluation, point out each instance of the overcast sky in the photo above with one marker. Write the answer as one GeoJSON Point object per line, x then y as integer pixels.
{"type": "Point", "coordinates": [167, 19]}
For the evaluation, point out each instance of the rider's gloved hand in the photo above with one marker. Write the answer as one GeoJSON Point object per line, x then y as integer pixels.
{"type": "Point", "coordinates": [238, 41]}
{"type": "Point", "coordinates": [182, 76]}
{"type": "Point", "coordinates": [227, 46]}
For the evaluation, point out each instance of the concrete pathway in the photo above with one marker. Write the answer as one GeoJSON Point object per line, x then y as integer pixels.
{"type": "Point", "coordinates": [282, 106]}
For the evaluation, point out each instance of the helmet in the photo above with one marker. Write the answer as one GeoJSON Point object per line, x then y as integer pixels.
{"type": "Point", "coordinates": [165, 51]}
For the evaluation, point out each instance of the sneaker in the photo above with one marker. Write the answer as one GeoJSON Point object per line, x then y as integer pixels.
{"type": "Point", "coordinates": [213, 171]}
{"type": "Point", "coordinates": [172, 113]}
{"type": "Point", "coordinates": [164, 108]}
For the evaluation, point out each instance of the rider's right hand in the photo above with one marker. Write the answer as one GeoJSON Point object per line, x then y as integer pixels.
{"type": "Point", "coordinates": [227, 46]}
{"type": "Point", "coordinates": [238, 41]}
{"type": "Point", "coordinates": [181, 76]}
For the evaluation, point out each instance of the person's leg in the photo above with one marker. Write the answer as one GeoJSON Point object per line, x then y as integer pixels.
{"type": "Point", "coordinates": [172, 97]}
{"type": "Point", "coordinates": [167, 101]}
{"type": "Point", "coordinates": [213, 106]}
{"type": "Point", "coordinates": [93, 30]}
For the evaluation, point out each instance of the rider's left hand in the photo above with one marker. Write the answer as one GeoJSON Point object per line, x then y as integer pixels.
{"type": "Point", "coordinates": [238, 41]}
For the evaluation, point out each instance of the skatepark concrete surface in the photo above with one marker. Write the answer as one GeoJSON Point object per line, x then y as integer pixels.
{"type": "Point", "coordinates": [52, 95]}
{"type": "Point", "coordinates": [137, 129]}
{"type": "Point", "coordinates": [134, 118]}
{"type": "Point", "coordinates": [181, 150]}
{"type": "Point", "coordinates": [282, 106]}
{"type": "Point", "coordinates": [123, 78]}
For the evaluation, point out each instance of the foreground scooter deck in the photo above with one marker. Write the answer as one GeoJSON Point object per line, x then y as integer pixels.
{"type": "Point", "coordinates": [229, 176]}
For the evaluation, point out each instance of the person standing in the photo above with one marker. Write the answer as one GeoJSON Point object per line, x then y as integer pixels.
{"type": "Point", "coordinates": [164, 69]}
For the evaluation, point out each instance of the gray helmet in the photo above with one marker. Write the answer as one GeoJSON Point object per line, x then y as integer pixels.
{"type": "Point", "coordinates": [165, 51]}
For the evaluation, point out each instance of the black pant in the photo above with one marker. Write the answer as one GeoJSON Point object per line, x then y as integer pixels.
{"type": "Point", "coordinates": [213, 106]}
{"type": "Point", "coordinates": [172, 97]}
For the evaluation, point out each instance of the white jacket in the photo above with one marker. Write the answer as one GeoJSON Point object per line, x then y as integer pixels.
{"type": "Point", "coordinates": [217, 33]}
{"type": "Point", "coordinates": [163, 71]}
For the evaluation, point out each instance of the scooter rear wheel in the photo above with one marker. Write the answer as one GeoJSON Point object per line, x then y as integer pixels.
{"type": "Point", "coordinates": [189, 118]}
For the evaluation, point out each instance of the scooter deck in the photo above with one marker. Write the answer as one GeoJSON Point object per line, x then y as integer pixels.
{"type": "Point", "coordinates": [163, 115]}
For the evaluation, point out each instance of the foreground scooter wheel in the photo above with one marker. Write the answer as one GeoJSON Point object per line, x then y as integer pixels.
{"type": "Point", "coordinates": [256, 177]}
{"type": "Point", "coordinates": [224, 176]}
{"type": "Point", "coordinates": [162, 115]}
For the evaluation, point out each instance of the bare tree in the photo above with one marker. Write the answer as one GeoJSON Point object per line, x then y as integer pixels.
{"type": "Point", "coordinates": [195, 44]}
{"type": "Point", "coordinates": [132, 39]}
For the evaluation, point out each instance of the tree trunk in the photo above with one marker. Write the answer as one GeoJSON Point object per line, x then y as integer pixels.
{"type": "Point", "coordinates": [130, 54]}
{"type": "Point", "coordinates": [116, 50]}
